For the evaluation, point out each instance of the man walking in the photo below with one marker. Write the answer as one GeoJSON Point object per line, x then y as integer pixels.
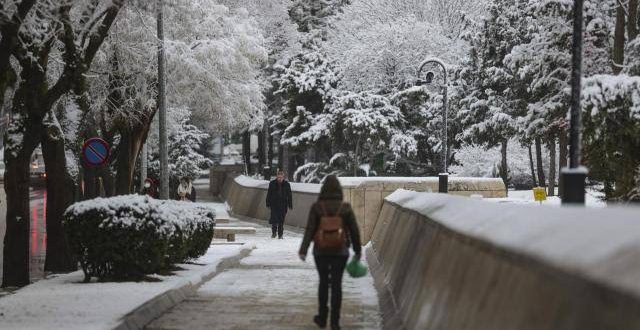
{"type": "Point", "coordinates": [279, 200]}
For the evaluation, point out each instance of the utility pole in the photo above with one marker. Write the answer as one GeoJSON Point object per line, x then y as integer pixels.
{"type": "Point", "coordinates": [574, 177]}
{"type": "Point", "coordinates": [162, 104]}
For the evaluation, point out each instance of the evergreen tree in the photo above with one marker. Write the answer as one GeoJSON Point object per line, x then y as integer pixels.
{"type": "Point", "coordinates": [313, 14]}
{"type": "Point", "coordinates": [494, 98]}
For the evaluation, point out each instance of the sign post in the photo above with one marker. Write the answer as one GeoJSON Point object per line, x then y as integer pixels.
{"type": "Point", "coordinates": [539, 194]}
{"type": "Point", "coordinates": [95, 152]}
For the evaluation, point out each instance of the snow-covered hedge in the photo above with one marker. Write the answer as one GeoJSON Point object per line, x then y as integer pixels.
{"type": "Point", "coordinates": [126, 237]}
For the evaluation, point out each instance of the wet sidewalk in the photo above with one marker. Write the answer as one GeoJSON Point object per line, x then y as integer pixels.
{"type": "Point", "coordinates": [269, 289]}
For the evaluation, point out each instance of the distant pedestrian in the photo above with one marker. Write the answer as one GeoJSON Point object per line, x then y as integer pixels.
{"type": "Point", "coordinates": [279, 200]}
{"type": "Point", "coordinates": [333, 228]}
{"type": "Point", "coordinates": [149, 188]}
{"type": "Point", "coordinates": [186, 191]}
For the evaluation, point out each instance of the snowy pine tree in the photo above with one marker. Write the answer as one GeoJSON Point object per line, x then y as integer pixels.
{"type": "Point", "coordinates": [493, 104]}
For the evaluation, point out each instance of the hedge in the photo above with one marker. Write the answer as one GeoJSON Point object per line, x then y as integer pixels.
{"type": "Point", "coordinates": [127, 237]}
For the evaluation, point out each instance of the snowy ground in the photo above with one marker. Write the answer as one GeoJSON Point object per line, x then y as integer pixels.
{"type": "Point", "coordinates": [269, 289]}
{"type": "Point", "coordinates": [65, 302]}
{"type": "Point", "coordinates": [593, 198]}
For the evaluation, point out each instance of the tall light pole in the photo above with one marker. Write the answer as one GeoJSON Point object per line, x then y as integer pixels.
{"type": "Point", "coordinates": [574, 177]}
{"type": "Point", "coordinates": [443, 177]}
{"type": "Point", "coordinates": [162, 105]}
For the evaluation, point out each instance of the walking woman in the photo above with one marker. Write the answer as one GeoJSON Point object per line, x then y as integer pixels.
{"type": "Point", "coordinates": [333, 228]}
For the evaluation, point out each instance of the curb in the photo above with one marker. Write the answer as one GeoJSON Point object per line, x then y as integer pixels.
{"type": "Point", "coordinates": [154, 308]}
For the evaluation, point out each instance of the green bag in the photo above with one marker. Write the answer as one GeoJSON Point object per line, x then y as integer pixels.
{"type": "Point", "coordinates": [356, 269]}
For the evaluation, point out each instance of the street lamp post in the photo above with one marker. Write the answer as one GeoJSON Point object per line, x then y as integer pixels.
{"type": "Point", "coordinates": [574, 177]}
{"type": "Point", "coordinates": [443, 178]}
{"type": "Point", "coordinates": [162, 105]}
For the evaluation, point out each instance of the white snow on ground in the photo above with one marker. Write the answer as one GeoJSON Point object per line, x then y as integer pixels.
{"type": "Point", "coordinates": [592, 199]}
{"type": "Point", "coordinates": [64, 302]}
{"type": "Point", "coordinates": [270, 289]}
{"type": "Point", "coordinates": [274, 252]}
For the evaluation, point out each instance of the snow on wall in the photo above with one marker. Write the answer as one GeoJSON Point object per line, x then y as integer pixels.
{"type": "Point", "coordinates": [356, 181]}
{"type": "Point", "coordinates": [601, 244]}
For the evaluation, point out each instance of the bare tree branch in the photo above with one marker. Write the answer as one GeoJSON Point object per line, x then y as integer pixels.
{"type": "Point", "coordinates": [97, 38]}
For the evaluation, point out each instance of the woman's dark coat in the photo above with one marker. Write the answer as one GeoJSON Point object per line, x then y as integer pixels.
{"type": "Point", "coordinates": [279, 199]}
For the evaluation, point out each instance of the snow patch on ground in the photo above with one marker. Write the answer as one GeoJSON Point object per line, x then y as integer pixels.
{"type": "Point", "coordinates": [64, 302]}
{"type": "Point", "coordinates": [593, 198]}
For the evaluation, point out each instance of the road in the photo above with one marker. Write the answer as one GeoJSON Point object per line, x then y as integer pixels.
{"type": "Point", "coordinates": [38, 236]}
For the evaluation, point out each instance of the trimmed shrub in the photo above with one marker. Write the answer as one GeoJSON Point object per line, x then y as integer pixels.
{"type": "Point", "coordinates": [126, 237]}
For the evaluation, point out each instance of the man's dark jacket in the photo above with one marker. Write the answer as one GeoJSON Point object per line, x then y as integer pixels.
{"type": "Point", "coordinates": [279, 199]}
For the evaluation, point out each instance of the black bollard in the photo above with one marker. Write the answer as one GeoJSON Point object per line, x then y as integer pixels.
{"type": "Point", "coordinates": [443, 183]}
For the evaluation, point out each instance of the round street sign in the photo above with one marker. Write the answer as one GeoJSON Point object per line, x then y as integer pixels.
{"type": "Point", "coordinates": [95, 152]}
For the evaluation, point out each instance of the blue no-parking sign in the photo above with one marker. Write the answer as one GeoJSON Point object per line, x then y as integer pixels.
{"type": "Point", "coordinates": [95, 152]}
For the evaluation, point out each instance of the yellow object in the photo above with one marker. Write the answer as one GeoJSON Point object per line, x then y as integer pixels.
{"type": "Point", "coordinates": [539, 194]}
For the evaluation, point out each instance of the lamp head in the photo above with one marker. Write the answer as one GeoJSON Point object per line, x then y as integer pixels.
{"type": "Point", "coordinates": [429, 78]}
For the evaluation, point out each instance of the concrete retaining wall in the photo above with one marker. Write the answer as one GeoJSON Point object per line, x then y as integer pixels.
{"type": "Point", "coordinates": [219, 174]}
{"type": "Point", "coordinates": [247, 196]}
{"type": "Point", "coordinates": [446, 262]}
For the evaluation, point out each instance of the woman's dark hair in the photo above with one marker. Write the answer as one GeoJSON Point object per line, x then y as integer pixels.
{"type": "Point", "coordinates": [331, 189]}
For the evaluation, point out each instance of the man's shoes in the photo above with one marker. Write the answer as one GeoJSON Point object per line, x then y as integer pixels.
{"type": "Point", "coordinates": [280, 237]}
{"type": "Point", "coordinates": [320, 322]}
{"type": "Point", "coordinates": [273, 235]}
{"type": "Point", "coordinates": [335, 327]}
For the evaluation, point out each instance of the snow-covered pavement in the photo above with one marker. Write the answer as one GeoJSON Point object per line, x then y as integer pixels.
{"type": "Point", "coordinates": [64, 302]}
{"type": "Point", "coordinates": [269, 289]}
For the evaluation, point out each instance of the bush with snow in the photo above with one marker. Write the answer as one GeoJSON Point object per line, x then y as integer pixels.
{"type": "Point", "coordinates": [478, 161]}
{"type": "Point", "coordinates": [126, 237]}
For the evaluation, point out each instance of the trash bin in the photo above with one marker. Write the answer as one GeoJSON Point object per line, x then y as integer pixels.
{"type": "Point", "coordinates": [266, 172]}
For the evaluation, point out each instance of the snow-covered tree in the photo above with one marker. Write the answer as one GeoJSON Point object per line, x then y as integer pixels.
{"type": "Point", "coordinates": [46, 50]}
{"type": "Point", "coordinates": [493, 101]}
{"type": "Point", "coordinates": [312, 15]}
{"type": "Point", "coordinates": [612, 131]}
{"type": "Point", "coordinates": [378, 44]}
{"type": "Point", "coordinates": [306, 83]}
{"type": "Point", "coordinates": [186, 141]}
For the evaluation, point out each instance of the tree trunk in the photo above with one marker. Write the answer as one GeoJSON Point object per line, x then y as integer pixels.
{"type": "Point", "coordinates": [542, 182]}
{"type": "Point", "coordinates": [131, 141]}
{"type": "Point", "coordinates": [533, 170]}
{"type": "Point", "coordinates": [552, 167]}
{"type": "Point", "coordinates": [60, 195]}
{"type": "Point", "coordinates": [291, 165]}
{"type": "Point", "coordinates": [270, 152]}
{"type": "Point", "coordinates": [356, 159]}
{"type": "Point", "coordinates": [563, 142]}
{"type": "Point", "coordinates": [261, 152]}
{"type": "Point", "coordinates": [281, 156]}
{"type": "Point", "coordinates": [504, 169]}
{"type": "Point", "coordinates": [15, 271]}
{"type": "Point", "coordinates": [27, 128]}
{"type": "Point", "coordinates": [246, 151]}
{"type": "Point", "coordinates": [632, 24]}
{"type": "Point", "coordinates": [619, 40]}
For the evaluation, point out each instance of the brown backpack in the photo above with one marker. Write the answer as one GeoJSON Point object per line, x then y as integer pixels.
{"type": "Point", "coordinates": [331, 234]}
